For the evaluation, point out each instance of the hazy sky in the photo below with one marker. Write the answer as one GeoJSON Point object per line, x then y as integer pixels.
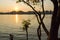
{"type": "Point", "coordinates": [11, 5]}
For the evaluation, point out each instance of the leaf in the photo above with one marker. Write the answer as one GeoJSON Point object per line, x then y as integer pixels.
{"type": "Point", "coordinates": [26, 24]}
{"type": "Point", "coordinates": [17, 1]}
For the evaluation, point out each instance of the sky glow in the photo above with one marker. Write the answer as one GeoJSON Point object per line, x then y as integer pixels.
{"type": "Point", "coordinates": [11, 5]}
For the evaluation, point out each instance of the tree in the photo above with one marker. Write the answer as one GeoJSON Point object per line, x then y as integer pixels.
{"type": "Point", "coordinates": [55, 21]}
{"type": "Point", "coordinates": [38, 16]}
{"type": "Point", "coordinates": [26, 24]}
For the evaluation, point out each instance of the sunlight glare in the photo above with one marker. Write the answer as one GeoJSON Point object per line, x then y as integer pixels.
{"type": "Point", "coordinates": [16, 18]}
{"type": "Point", "coordinates": [24, 0]}
{"type": "Point", "coordinates": [16, 8]}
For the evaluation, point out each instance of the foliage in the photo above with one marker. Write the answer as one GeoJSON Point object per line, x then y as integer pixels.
{"type": "Point", "coordinates": [29, 1]}
{"type": "Point", "coordinates": [26, 24]}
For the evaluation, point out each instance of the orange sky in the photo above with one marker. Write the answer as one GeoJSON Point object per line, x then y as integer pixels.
{"type": "Point", "coordinates": [11, 5]}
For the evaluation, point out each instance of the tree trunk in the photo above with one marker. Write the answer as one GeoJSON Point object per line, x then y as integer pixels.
{"type": "Point", "coordinates": [59, 15]}
{"type": "Point", "coordinates": [26, 34]}
{"type": "Point", "coordinates": [54, 22]}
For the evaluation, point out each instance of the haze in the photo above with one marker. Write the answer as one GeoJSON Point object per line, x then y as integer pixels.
{"type": "Point", "coordinates": [11, 5]}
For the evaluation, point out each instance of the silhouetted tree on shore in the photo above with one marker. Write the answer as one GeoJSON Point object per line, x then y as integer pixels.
{"type": "Point", "coordinates": [54, 23]}
{"type": "Point", "coordinates": [38, 16]}
{"type": "Point", "coordinates": [26, 24]}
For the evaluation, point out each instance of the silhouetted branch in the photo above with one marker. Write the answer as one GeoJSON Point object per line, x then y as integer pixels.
{"type": "Point", "coordinates": [43, 18]}
{"type": "Point", "coordinates": [34, 10]}
{"type": "Point", "coordinates": [39, 31]}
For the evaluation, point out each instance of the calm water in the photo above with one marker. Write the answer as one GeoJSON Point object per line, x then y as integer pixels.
{"type": "Point", "coordinates": [12, 24]}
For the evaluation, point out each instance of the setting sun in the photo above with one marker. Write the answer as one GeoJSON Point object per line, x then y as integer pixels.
{"type": "Point", "coordinates": [16, 8]}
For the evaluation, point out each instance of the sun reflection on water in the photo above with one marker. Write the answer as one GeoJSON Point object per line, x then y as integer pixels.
{"type": "Point", "coordinates": [16, 18]}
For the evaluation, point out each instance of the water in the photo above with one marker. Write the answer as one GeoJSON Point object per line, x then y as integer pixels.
{"type": "Point", "coordinates": [8, 26]}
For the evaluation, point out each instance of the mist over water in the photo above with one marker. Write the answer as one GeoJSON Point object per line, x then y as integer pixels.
{"type": "Point", "coordinates": [8, 26]}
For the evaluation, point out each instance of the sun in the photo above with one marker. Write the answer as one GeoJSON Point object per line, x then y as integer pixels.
{"type": "Point", "coordinates": [16, 8]}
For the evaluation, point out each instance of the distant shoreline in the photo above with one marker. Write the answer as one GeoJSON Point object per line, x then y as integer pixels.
{"type": "Point", "coordinates": [18, 14]}
{"type": "Point", "coordinates": [24, 13]}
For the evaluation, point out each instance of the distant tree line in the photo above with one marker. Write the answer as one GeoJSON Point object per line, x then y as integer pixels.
{"type": "Point", "coordinates": [22, 12]}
